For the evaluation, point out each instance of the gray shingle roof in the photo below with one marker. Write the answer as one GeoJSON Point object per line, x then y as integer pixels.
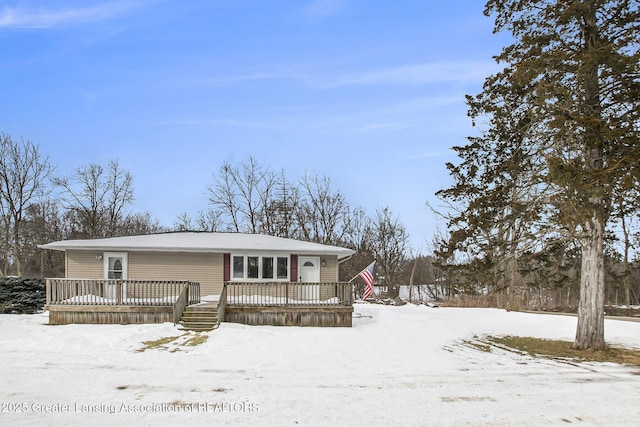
{"type": "Point", "coordinates": [201, 242]}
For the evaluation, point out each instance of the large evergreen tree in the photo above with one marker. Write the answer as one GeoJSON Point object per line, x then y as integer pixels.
{"type": "Point", "coordinates": [561, 138]}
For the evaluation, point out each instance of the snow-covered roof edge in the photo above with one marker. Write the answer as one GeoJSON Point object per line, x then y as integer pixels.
{"type": "Point", "coordinates": [190, 241]}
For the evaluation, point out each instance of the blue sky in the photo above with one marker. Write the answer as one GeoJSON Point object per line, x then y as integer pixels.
{"type": "Point", "coordinates": [367, 92]}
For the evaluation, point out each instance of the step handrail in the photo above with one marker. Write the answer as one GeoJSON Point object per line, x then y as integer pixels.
{"type": "Point", "coordinates": [180, 304]}
{"type": "Point", "coordinates": [222, 304]}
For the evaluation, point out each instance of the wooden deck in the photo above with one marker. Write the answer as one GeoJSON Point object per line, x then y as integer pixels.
{"type": "Point", "coordinates": [288, 294]}
{"type": "Point", "coordinates": [118, 301]}
{"type": "Point", "coordinates": [289, 304]}
{"type": "Point", "coordinates": [109, 314]}
{"type": "Point", "coordinates": [290, 316]}
{"type": "Point", "coordinates": [139, 301]}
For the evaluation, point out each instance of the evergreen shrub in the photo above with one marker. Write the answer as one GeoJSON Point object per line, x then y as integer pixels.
{"type": "Point", "coordinates": [19, 295]}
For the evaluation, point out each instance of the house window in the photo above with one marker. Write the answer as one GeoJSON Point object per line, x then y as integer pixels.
{"type": "Point", "coordinates": [263, 268]}
{"type": "Point", "coordinates": [253, 267]}
{"type": "Point", "coordinates": [283, 267]}
{"type": "Point", "coordinates": [267, 267]}
{"type": "Point", "coordinates": [115, 265]}
{"type": "Point", "coordinates": [238, 267]}
{"type": "Point", "coordinates": [115, 269]}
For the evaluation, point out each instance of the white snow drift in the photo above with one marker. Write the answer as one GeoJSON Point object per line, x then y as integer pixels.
{"type": "Point", "coordinates": [397, 366]}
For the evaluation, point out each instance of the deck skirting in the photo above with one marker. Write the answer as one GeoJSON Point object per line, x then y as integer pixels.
{"type": "Point", "coordinates": [334, 316]}
{"type": "Point", "coordinates": [108, 314]}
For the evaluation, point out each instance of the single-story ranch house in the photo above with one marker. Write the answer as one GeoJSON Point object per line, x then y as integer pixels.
{"type": "Point", "coordinates": [200, 279]}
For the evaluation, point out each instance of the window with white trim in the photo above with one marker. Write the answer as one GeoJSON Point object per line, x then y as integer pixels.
{"type": "Point", "coordinates": [238, 267]}
{"type": "Point", "coordinates": [261, 268]}
{"type": "Point", "coordinates": [282, 271]}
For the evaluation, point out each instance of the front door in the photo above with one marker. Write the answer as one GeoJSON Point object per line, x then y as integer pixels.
{"type": "Point", "coordinates": [309, 268]}
{"type": "Point", "coordinates": [115, 268]}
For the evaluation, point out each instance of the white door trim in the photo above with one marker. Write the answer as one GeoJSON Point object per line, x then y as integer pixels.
{"type": "Point", "coordinates": [124, 259]}
{"type": "Point", "coordinates": [310, 291]}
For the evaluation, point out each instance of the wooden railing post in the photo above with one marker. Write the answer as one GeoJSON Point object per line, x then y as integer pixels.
{"type": "Point", "coordinates": [119, 292]}
{"type": "Point", "coordinates": [286, 293]}
{"type": "Point", "coordinates": [48, 291]}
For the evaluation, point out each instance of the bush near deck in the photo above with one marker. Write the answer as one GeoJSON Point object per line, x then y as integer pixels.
{"type": "Point", "coordinates": [19, 295]}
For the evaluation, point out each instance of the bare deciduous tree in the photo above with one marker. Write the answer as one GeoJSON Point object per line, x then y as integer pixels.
{"type": "Point", "coordinates": [97, 199]}
{"type": "Point", "coordinates": [391, 245]}
{"type": "Point", "coordinates": [279, 209]}
{"type": "Point", "coordinates": [23, 177]}
{"type": "Point", "coordinates": [205, 221]}
{"type": "Point", "coordinates": [241, 193]}
{"type": "Point", "coordinates": [322, 211]}
{"type": "Point", "coordinates": [43, 223]}
{"type": "Point", "coordinates": [119, 195]}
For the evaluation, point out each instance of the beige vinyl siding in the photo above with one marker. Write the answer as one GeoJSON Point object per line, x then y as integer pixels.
{"type": "Point", "coordinates": [204, 268]}
{"type": "Point", "coordinates": [84, 265]}
{"type": "Point", "coordinates": [329, 273]}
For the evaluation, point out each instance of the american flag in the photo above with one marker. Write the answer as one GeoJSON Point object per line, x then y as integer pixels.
{"type": "Point", "coordinates": [367, 276]}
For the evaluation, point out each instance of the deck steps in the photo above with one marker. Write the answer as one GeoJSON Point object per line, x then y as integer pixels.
{"type": "Point", "coordinates": [200, 318]}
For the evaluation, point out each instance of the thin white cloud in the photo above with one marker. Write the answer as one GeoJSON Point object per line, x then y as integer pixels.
{"type": "Point", "coordinates": [15, 17]}
{"type": "Point", "coordinates": [423, 103]}
{"type": "Point", "coordinates": [418, 74]}
{"type": "Point", "coordinates": [425, 154]}
{"type": "Point", "coordinates": [393, 118]}
{"type": "Point", "coordinates": [222, 122]}
{"type": "Point", "coordinates": [249, 77]}
{"type": "Point", "coordinates": [321, 9]}
{"type": "Point", "coordinates": [379, 127]}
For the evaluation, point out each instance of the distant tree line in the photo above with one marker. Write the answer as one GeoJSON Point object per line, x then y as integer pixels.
{"type": "Point", "coordinates": [252, 198]}
{"type": "Point", "coordinates": [37, 206]}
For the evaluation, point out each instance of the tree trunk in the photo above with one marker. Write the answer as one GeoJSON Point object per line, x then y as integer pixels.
{"type": "Point", "coordinates": [590, 330]}
{"type": "Point", "coordinates": [413, 272]}
{"type": "Point", "coordinates": [626, 280]}
{"type": "Point", "coordinates": [17, 253]}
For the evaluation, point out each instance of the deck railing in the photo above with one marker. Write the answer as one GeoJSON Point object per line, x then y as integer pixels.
{"type": "Point", "coordinates": [121, 292]}
{"type": "Point", "coordinates": [194, 293]}
{"type": "Point", "coordinates": [265, 294]}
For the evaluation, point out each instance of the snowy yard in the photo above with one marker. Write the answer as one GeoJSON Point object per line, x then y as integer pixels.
{"type": "Point", "coordinates": [397, 366]}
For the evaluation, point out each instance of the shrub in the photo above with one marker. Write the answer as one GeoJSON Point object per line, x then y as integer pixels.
{"type": "Point", "coordinates": [20, 295]}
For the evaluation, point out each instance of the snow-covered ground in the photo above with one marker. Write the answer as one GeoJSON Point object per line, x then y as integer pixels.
{"type": "Point", "coordinates": [397, 366]}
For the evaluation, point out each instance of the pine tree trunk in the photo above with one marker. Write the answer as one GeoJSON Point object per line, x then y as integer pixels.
{"type": "Point", "coordinates": [590, 330]}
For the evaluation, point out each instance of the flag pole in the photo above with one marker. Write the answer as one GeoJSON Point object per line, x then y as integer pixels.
{"type": "Point", "coordinates": [360, 272]}
{"type": "Point", "coordinates": [368, 277]}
